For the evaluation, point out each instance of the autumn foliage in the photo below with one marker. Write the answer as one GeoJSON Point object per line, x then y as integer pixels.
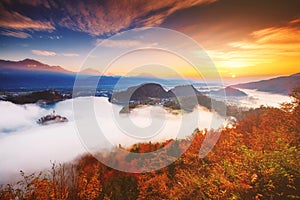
{"type": "Point", "coordinates": [258, 158]}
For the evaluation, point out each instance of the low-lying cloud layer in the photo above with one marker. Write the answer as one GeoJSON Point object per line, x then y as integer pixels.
{"type": "Point", "coordinates": [257, 98]}
{"type": "Point", "coordinates": [27, 146]}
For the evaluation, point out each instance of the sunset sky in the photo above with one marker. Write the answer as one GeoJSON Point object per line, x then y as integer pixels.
{"type": "Point", "coordinates": [243, 38]}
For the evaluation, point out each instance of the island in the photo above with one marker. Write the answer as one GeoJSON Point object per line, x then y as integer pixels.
{"type": "Point", "coordinates": [184, 98]}
{"type": "Point", "coordinates": [51, 119]}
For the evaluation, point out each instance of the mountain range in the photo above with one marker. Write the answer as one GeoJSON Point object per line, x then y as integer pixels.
{"type": "Point", "coordinates": [32, 73]}
{"type": "Point", "coordinates": [279, 85]}
{"type": "Point", "coordinates": [34, 65]}
{"type": "Point", "coordinates": [31, 65]}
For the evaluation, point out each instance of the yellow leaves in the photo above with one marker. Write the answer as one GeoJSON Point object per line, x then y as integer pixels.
{"type": "Point", "coordinates": [257, 197]}
{"type": "Point", "coordinates": [88, 183]}
{"type": "Point", "coordinates": [154, 186]}
{"type": "Point", "coordinates": [254, 178]}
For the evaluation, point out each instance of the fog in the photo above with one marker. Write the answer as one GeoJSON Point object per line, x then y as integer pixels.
{"type": "Point", "coordinates": [257, 98]}
{"type": "Point", "coordinates": [27, 146]}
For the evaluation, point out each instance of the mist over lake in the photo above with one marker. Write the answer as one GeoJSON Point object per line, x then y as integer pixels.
{"type": "Point", "coordinates": [27, 146]}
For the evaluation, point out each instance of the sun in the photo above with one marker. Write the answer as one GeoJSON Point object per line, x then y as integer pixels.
{"type": "Point", "coordinates": [233, 76]}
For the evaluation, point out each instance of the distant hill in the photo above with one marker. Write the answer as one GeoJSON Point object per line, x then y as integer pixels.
{"type": "Point", "coordinates": [280, 85]}
{"type": "Point", "coordinates": [44, 97]}
{"type": "Point", "coordinates": [147, 91]}
{"type": "Point", "coordinates": [230, 92]}
{"type": "Point", "coordinates": [32, 75]}
{"type": "Point", "coordinates": [140, 93]}
{"type": "Point", "coordinates": [185, 90]}
{"type": "Point", "coordinates": [31, 65]}
{"type": "Point", "coordinates": [184, 97]}
{"type": "Point", "coordinates": [90, 71]}
{"type": "Point", "coordinates": [34, 65]}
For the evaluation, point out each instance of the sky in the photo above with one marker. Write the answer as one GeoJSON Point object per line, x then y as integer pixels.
{"type": "Point", "coordinates": [249, 38]}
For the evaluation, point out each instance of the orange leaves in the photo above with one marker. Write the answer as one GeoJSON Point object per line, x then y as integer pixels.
{"type": "Point", "coordinates": [154, 186]}
{"type": "Point", "coordinates": [88, 182]}
{"type": "Point", "coordinates": [7, 192]}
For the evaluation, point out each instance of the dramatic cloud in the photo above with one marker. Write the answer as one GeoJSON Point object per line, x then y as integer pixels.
{"type": "Point", "coordinates": [94, 17]}
{"type": "Point", "coordinates": [17, 34]}
{"type": "Point", "coordinates": [113, 16]}
{"type": "Point", "coordinates": [276, 47]}
{"type": "Point", "coordinates": [43, 53]}
{"type": "Point", "coordinates": [14, 20]}
{"type": "Point", "coordinates": [282, 39]}
{"type": "Point", "coordinates": [233, 36]}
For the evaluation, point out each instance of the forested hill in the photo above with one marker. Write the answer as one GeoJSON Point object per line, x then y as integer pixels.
{"type": "Point", "coordinates": [280, 85]}
{"type": "Point", "coordinates": [184, 97]}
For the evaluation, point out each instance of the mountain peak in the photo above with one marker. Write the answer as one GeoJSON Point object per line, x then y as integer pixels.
{"type": "Point", "coordinates": [28, 60]}
{"type": "Point", "coordinates": [31, 64]}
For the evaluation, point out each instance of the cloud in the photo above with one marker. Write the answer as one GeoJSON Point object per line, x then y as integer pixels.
{"type": "Point", "coordinates": [45, 3]}
{"type": "Point", "coordinates": [281, 38]}
{"type": "Point", "coordinates": [17, 34]}
{"type": "Point", "coordinates": [271, 41]}
{"type": "Point", "coordinates": [164, 9]}
{"type": "Point", "coordinates": [11, 122]}
{"type": "Point", "coordinates": [122, 43]}
{"type": "Point", "coordinates": [257, 98]}
{"type": "Point", "coordinates": [14, 20]}
{"type": "Point", "coordinates": [94, 17]}
{"type": "Point", "coordinates": [51, 53]}
{"type": "Point", "coordinates": [28, 141]}
{"type": "Point", "coordinates": [70, 54]}
{"type": "Point", "coordinates": [43, 53]}
{"type": "Point", "coordinates": [57, 37]}
{"type": "Point", "coordinates": [295, 21]}
{"type": "Point", "coordinates": [22, 140]}
{"type": "Point", "coordinates": [276, 46]}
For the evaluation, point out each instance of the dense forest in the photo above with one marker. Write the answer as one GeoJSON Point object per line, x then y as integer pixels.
{"type": "Point", "coordinates": [257, 158]}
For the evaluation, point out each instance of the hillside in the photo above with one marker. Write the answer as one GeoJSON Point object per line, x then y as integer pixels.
{"type": "Point", "coordinates": [32, 65]}
{"type": "Point", "coordinates": [184, 91]}
{"type": "Point", "coordinates": [184, 98]}
{"type": "Point", "coordinates": [230, 92]}
{"type": "Point", "coordinates": [43, 97]}
{"type": "Point", "coordinates": [147, 91]}
{"type": "Point", "coordinates": [142, 92]}
{"type": "Point", "coordinates": [280, 85]}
